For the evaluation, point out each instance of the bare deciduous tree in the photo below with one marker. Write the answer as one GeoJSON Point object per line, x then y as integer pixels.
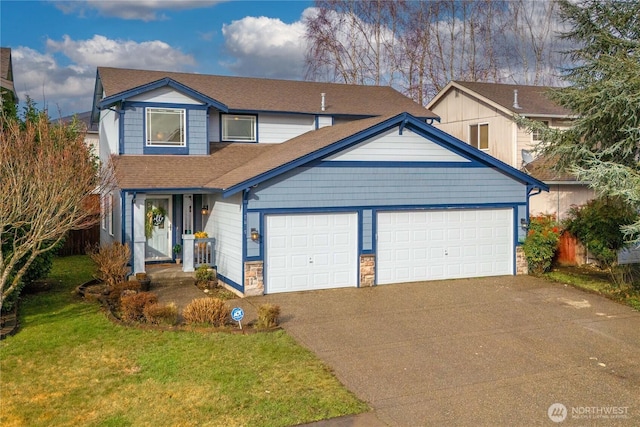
{"type": "Point", "coordinates": [419, 46]}
{"type": "Point", "coordinates": [351, 41]}
{"type": "Point", "coordinates": [46, 177]}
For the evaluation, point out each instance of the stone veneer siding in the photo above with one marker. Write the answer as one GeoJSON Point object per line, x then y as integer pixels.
{"type": "Point", "coordinates": [253, 278]}
{"type": "Point", "coordinates": [522, 267]}
{"type": "Point", "coordinates": [367, 270]}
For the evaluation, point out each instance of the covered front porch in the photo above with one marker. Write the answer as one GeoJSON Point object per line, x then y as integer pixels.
{"type": "Point", "coordinates": [169, 228]}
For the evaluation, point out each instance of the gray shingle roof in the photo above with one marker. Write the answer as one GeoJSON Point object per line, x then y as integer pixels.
{"type": "Point", "coordinates": [229, 164]}
{"type": "Point", "coordinates": [254, 94]}
{"type": "Point", "coordinates": [532, 99]}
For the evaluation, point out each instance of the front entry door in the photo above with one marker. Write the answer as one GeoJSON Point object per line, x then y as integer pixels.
{"type": "Point", "coordinates": [158, 228]}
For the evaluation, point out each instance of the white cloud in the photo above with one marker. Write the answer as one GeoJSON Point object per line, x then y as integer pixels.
{"type": "Point", "coordinates": [144, 10]}
{"type": "Point", "coordinates": [265, 47]}
{"type": "Point", "coordinates": [63, 78]}
{"type": "Point", "coordinates": [101, 51]}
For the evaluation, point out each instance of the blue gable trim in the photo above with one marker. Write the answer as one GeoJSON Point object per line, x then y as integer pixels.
{"type": "Point", "coordinates": [406, 121]}
{"type": "Point", "coordinates": [123, 96]}
{"type": "Point", "coordinates": [390, 164]}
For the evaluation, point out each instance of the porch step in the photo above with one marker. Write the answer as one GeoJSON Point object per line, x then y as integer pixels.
{"type": "Point", "coordinates": [167, 272]}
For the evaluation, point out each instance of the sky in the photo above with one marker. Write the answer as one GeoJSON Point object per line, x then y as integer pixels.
{"type": "Point", "coordinates": [58, 45]}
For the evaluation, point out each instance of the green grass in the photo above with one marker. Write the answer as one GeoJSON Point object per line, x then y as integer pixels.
{"type": "Point", "coordinates": [69, 365]}
{"type": "Point", "coordinates": [596, 282]}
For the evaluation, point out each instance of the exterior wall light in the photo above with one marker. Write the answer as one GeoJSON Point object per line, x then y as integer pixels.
{"type": "Point", "coordinates": [205, 210]}
{"type": "Point", "coordinates": [255, 236]}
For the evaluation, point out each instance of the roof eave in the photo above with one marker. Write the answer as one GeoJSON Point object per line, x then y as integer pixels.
{"type": "Point", "coordinates": [108, 101]}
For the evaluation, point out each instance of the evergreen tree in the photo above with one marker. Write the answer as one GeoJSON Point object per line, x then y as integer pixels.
{"type": "Point", "coordinates": [603, 146]}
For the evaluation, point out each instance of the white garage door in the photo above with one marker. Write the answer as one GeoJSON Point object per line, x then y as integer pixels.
{"type": "Point", "coordinates": [314, 251]}
{"type": "Point", "coordinates": [448, 244]}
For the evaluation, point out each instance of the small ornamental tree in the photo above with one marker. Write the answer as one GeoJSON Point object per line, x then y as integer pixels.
{"type": "Point", "coordinates": [541, 243]}
{"type": "Point", "coordinates": [46, 176]}
{"type": "Point", "coordinates": [597, 224]}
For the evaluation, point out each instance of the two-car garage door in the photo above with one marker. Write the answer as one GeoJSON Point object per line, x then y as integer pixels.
{"type": "Point", "coordinates": [320, 251]}
{"type": "Point", "coordinates": [444, 244]}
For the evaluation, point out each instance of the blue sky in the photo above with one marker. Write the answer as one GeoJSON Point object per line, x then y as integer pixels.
{"type": "Point", "coordinates": [57, 45]}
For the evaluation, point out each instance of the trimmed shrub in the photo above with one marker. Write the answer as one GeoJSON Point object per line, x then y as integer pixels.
{"type": "Point", "coordinates": [268, 316]}
{"type": "Point", "coordinates": [210, 311]}
{"type": "Point", "coordinates": [118, 290]}
{"type": "Point", "coordinates": [161, 314]}
{"type": "Point", "coordinates": [541, 243]}
{"type": "Point", "coordinates": [111, 262]}
{"type": "Point", "coordinates": [132, 305]}
{"type": "Point", "coordinates": [204, 276]}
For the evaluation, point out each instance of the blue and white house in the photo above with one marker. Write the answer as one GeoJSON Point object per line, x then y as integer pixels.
{"type": "Point", "coordinates": [301, 185]}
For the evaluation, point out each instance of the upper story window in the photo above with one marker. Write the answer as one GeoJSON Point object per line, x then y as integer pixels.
{"type": "Point", "coordinates": [479, 136]}
{"type": "Point", "coordinates": [536, 134]}
{"type": "Point", "coordinates": [166, 127]}
{"type": "Point", "coordinates": [239, 128]}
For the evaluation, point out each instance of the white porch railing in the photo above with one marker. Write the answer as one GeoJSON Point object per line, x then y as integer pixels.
{"type": "Point", "coordinates": [203, 252]}
{"type": "Point", "coordinates": [197, 252]}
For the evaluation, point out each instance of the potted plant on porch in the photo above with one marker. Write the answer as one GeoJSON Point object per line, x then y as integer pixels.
{"type": "Point", "coordinates": [177, 250]}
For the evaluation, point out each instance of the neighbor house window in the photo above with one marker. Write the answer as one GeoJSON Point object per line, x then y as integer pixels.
{"type": "Point", "coordinates": [238, 128]}
{"type": "Point", "coordinates": [536, 134]}
{"type": "Point", "coordinates": [166, 127]}
{"type": "Point", "coordinates": [479, 136]}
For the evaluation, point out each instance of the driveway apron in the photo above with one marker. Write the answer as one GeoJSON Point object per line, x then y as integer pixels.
{"type": "Point", "coordinates": [512, 350]}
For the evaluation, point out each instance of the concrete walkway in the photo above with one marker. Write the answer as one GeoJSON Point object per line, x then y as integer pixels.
{"type": "Point", "coordinates": [494, 351]}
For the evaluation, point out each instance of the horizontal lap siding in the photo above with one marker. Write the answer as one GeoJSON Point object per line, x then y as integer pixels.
{"type": "Point", "coordinates": [395, 147]}
{"type": "Point", "coordinates": [225, 225]}
{"type": "Point", "coordinates": [322, 187]}
{"type": "Point", "coordinates": [280, 128]}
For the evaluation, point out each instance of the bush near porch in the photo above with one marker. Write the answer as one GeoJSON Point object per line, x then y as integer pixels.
{"type": "Point", "coordinates": [69, 365]}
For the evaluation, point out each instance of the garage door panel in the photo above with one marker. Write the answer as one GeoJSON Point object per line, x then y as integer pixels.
{"type": "Point", "coordinates": [319, 251]}
{"type": "Point", "coordinates": [446, 244]}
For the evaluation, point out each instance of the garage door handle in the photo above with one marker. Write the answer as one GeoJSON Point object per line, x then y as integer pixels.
{"type": "Point", "coordinates": [310, 261]}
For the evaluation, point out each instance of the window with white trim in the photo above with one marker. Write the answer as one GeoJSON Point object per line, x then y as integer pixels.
{"type": "Point", "coordinates": [166, 127]}
{"type": "Point", "coordinates": [238, 128]}
{"type": "Point", "coordinates": [536, 135]}
{"type": "Point", "coordinates": [479, 136]}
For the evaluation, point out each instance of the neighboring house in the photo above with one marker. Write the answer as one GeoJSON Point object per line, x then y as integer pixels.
{"type": "Point", "coordinates": [482, 114]}
{"type": "Point", "coordinates": [300, 185]}
{"type": "Point", "coordinates": [7, 89]}
{"type": "Point", "coordinates": [91, 137]}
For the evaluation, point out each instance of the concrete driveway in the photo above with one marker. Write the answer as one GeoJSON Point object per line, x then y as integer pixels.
{"type": "Point", "coordinates": [494, 351]}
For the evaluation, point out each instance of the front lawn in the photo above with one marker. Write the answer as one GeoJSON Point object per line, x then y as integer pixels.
{"type": "Point", "coordinates": [69, 365]}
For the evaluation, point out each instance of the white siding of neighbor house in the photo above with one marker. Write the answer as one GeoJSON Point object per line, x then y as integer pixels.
{"type": "Point", "coordinates": [559, 199]}
{"type": "Point", "coordinates": [225, 226]}
{"type": "Point", "coordinates": [274, 128]}
{"type": "Point", "coordinates": [525, 138]}
{"type": "Point", "coordinates": [458, 111]}
{"type": "Point", "coordinates": [164, 95]}
{"type": "Point", "coordinates": [395, 147]}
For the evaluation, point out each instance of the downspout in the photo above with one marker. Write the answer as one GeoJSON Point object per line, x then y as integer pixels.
{"type": "Point", "coordinates": [530, 188]}
{"type": "Point", "coordinates": [133, 252]}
